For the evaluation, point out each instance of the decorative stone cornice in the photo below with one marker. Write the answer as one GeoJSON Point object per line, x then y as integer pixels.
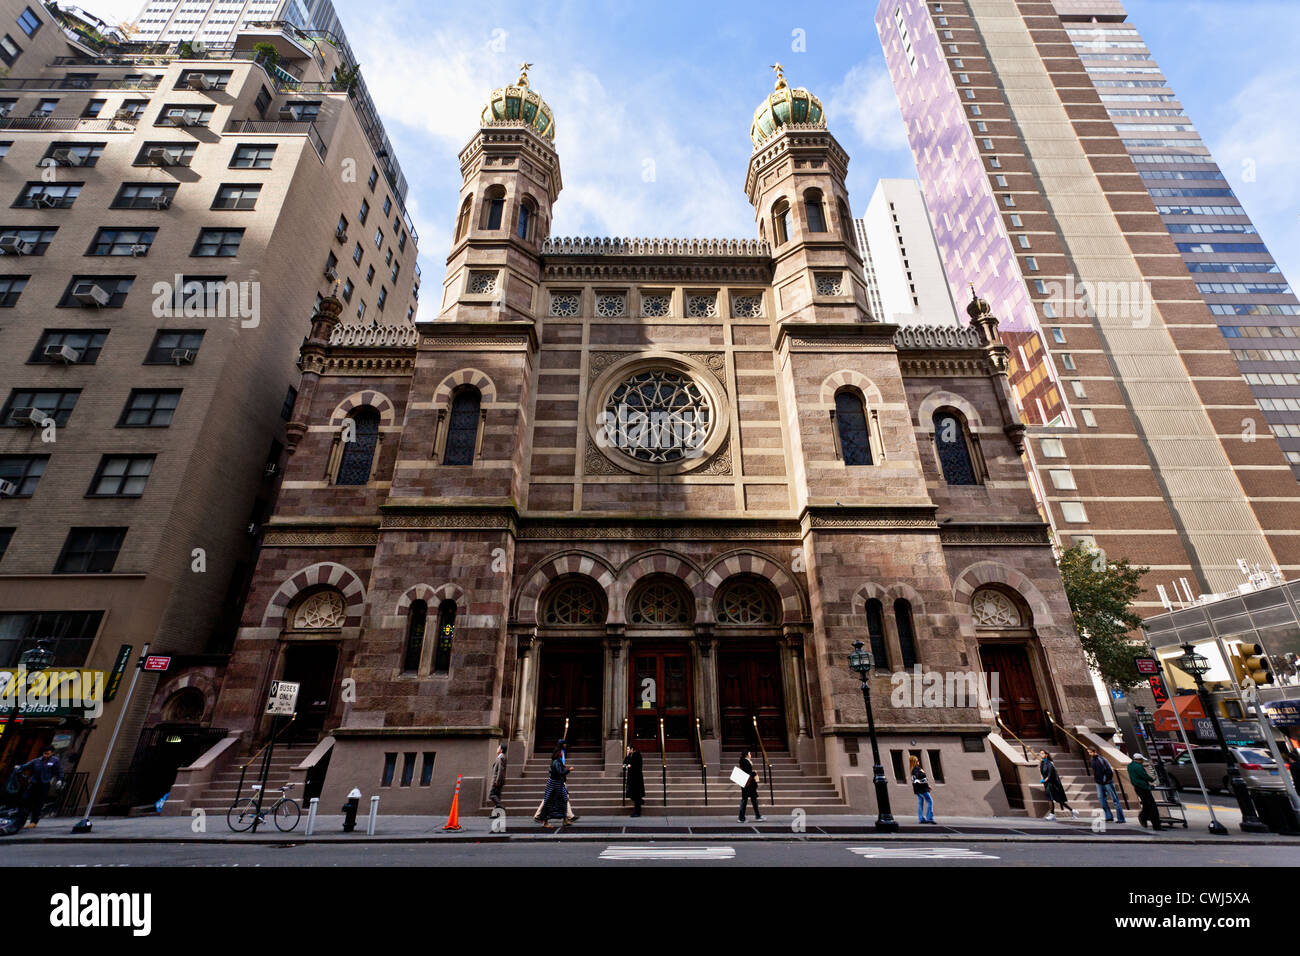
{"type": "Point", "coordinates": [851, 517]}
{"type": "Point", "coordinates": [501, 335]}
{"type": "Point", "coordinates": [593, 528]}
{"type": "Point", "coordinates": [374, 336]}
{"type": "Point", "coordinates": [617, 246]}
{"type": "Point", "coordinates": [615, 270]}
{"type": "Point", "coordinates": [938, 337]}
{"type": "Point", "coordinates": [343, 538]}
{"type": "Point", "coordinates": [975, 534]}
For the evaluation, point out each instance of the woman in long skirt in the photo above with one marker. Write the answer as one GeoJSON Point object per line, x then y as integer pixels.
{"type": "Point", "coordinates": [1051, 781]}
{"type": "Point", "coordinates": [556, 799]}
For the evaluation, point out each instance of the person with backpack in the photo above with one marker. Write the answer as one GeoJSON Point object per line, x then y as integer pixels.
{"type": "Point", "coordinates": [1103, 775]}
{"type": "Point", "coordinates": [921, 787]}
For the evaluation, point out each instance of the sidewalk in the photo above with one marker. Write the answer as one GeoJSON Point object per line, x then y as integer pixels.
{"type": "Point", "coordinates": [519, 826]}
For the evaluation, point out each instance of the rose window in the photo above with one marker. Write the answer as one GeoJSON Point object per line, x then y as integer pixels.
{"type": "Point", "coordinates": [702, 306]}
{"type": "Point", "coordinates": [321, 610]}
{"type": "Point", "coordinates": [574, 603]}
{"type": "Point", "coordinates": [610, 306]}
{"type": "Point", "coordinates": [992, 608]}
{"type": "Point", "coordinates": [746, 601]}
{"type": "Point", "coordinates": [654, 306]}
{"type": "Point", "coordinates": [659, 603]}
{"type": "Point", "coordinates": [747, 306]}
{"type": "Point", "coordinates": [829, 283]}
{"type": "Point", "coordinates": [658, 416]}
{"type": "Point", "coordinates": [482, 283]}
{"type": "Point", "coordinates": [564, 304]}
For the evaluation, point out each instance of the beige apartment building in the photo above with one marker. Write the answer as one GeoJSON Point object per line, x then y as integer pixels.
{"type": "Point", "coordinates": [174, 213]}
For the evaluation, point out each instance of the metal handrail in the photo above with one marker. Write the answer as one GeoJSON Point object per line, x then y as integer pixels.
{"type": "Point", "coordinates": [1118, 784]}
{"type": "Point", "coordinates": [704, 767]}
{"type": "Point", "coordinates": [1002, 724]}
{"type": "Point", "coordinates": [767, 768]}
{"type": "Point", "coordinates": [565, 736]}
{"type": "Point", "coordinates": [239, 791]}
{"type": "Point", "coordinates": [623, 757]}
{"type": "Point", "coordinates": [663, 757]}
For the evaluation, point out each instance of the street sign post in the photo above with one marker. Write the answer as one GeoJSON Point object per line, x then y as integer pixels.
{"type": "Point", "coordinates": [283, 698]}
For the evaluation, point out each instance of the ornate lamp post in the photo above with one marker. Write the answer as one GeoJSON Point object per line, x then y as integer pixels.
{"type": "Point", "coordinates": [860, 663]}
{"type": "Point", "coordinates": [31, 661]}
{"type": "Point", "coordinates": [1197, 665]}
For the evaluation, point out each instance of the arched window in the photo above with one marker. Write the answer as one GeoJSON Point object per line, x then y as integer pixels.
{"type": "Point", "coordinates": [462, 220]}
{"type": "Point", "coordinates": [416, 619]}
{"type": "Point", "coordinates": [906, 635]}
{"type": "Point", "coordinates": [953, 445]}
{"type": "Point", "coordinates": [320, 611]}
{"type": "Point", "coordinates": [659, 601]}
{"type": "Point", "coordinates": [527, 211]}
{"type": "Point", "coordinates": [781, 230]}
{"type": "Point", "coordinates": [746, 600]}
{"type": "Point", "coordinates": [846, 221]}
{"type": "Point", "coordinates": [462, 427]}
{"type": "Point", "coordinates": [573, 602]}
{"type": "Point", "coordinates": [876, 633]}
{"type": "Point", "coordinates": [812, 202]}
{"type": "Point", "coordinates": [359, 453]}
{"type": "Point", "coordinates": [494, 207]}
{"type": "Point", "coordinates": [446, 632]}
{"type": "Point", "coordinates": [851, 426]}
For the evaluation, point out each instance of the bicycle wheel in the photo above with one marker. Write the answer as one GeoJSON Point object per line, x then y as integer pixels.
{"type": "Point", "coordinates": [287, 813]}
{"type": "Point", "coordinates": [241, 814]}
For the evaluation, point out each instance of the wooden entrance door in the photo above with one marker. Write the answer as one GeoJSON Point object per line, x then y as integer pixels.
{"type": "Point", "coordinates": [569, 688]}
{"type": "Point", "coordinates": [749, 686]}
{"type": "Point", "coordinates": [311, 665]}
{"type": "Point", "coordinates": [659, 686]}
{"type": "Point", "coordinates": [1018, 702]}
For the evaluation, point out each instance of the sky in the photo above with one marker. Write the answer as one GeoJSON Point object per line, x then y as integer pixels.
{"type": "Point", "coordinates": [653, 101]}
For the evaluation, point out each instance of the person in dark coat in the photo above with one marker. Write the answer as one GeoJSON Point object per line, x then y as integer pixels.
{"type": "Point", "coordinates": [44, 770]}
{"type": "Point", "coordinates": [1051, 781]}
{"type": "Point", "coordinates": [555, 801]}
{"type": "Point", "coordinates": [498, 776]}
{"type": "Point", "coordinates": [1142, 784]}
{"type": "Point", "coordinates": [750, 790]}
{"type": "Point", "coordinates": [921, 787]}
{"type": "Point", "coordinates": [634, 780]}
{"type": "Point", "coordinates": [1103, 775]}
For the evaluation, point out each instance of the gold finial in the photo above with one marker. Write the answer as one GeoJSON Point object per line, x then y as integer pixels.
{"type": "Point", "coordinates": [523, 74]}
{"type": "Point", "coordinates": [780, 75]}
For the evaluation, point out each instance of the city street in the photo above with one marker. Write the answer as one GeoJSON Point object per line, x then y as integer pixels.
{"type": "Point", "coordinates": [721, 853]}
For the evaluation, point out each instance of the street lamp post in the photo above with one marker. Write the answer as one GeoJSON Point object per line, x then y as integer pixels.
{"type": "Point", "coordinates": [1197, 665]}
{"type": "Point", "coordinates": [860, 663]}
{"type": "Point", "coordinates": [31, 661]}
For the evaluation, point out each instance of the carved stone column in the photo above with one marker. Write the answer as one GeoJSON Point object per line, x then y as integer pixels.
{"type": "Point", "coordinates": [614, 693]}
{"type": "Point", "coordinates": [795, 683]}
{"type": "Point", "coordinates": [704, 651]}
{"type": "Point", "coordinates": [528, 651]}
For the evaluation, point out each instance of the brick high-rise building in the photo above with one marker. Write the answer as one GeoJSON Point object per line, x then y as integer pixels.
{"type": "Point", "coordinates": [1145, 439]}
{"type": "Point", "coordinates": [170, 219]}
{"type": "Point", "coordinates": [651, 491]}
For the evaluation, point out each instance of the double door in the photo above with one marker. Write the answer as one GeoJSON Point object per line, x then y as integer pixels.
{"type": "Point", "coordinates": [659, 689]}
{"type": "Point", "coordinates": [749, 690]}
{"type": "Point", "coordinates": [569, 689]}
{"type": "Point", "coordinates": [1018, 702]}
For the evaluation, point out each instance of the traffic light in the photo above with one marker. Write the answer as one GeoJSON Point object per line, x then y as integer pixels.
{"type": "Point", "coordinates": [1253, 664]}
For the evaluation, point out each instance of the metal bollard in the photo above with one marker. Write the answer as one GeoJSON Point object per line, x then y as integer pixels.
{"type": "Point", "coordinates": [374, 814]}
{"type": "Point", "coordinates": [311, 815]}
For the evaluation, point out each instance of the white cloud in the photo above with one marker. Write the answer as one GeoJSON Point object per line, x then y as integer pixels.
{"type": "Point", "coordinates": [865, 98]}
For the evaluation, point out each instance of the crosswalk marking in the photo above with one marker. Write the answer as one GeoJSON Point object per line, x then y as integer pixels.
{"type": "Point", "coordinates": [920, 853]}
{"type": "Point", "coordinates": [668, 853]}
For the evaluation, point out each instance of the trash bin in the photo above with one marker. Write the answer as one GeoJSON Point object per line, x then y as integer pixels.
{"type": "Point", "coordinates": [1273, 807]}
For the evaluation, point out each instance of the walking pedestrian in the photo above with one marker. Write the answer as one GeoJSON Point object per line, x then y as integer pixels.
{"type": "Point", "coordinates": [555, 801]}
{"type": "Point", "coordinates": [1051, 781]}
{"type": "Point", "coordinates": [1142, 781]}
{"type": "Point", "coordinates": [921, 787]}
{"type": "Point", "coordinates": [498, 776]}
{"type": "Point", "coordinates": [44, 771]}
{"type": "Point", "coordinates": [750, 790]}
{"type": "Point", "coordinates": [634, 780]}
{"type": "Point", "coordinates": [1103, 775]}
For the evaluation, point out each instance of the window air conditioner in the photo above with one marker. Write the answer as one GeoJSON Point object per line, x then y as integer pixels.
{"type": "Point", "coordinates": [331, 274]}
{"type": "Point", "coordinates": [341, 234]}
{"type": "Point", "coordinates": [13, 246]}
{"type": "Point", "coordinates": [32, 417]}
{"type": "Point", "coordinates": [161, 202]}
{"type": "Point", "coordinates": [197, 81]}
{"type": "Point", "coordinates": [183, 356]}
{"type": "Point", "coordinates": [271, 470]}
{"type": "Point", "coordinates": [43, 201]}
{"type": "Point", "coordinates": [287, 113]}
{"type": "Point", "coordinates": [161, 156]}
{"type": "Point", "coordinates": [90, 293]}
{"type": "Point", "coordinates": [66, 157]}
{"type": "Point", "coordinates": [139, 249]}
{"type": "Point", "coordinates": [8, 489]}
{"type": "Point", "coordinates": [62, 353]}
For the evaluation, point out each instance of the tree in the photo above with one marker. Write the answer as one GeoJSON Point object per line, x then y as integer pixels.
{"type": "Point", "coordinates": [1101, 594]}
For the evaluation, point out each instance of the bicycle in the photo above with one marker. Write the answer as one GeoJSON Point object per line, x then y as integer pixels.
{"type": "Point", "coordinates": [285, 811]}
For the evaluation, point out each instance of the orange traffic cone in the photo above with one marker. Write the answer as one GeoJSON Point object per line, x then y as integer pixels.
{"type": "Point", "coordinates": [453, 819]}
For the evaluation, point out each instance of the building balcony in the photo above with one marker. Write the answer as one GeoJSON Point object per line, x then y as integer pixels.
{"type": "Point", "coordinates": [75, 83]}
{"type": "Point", "coordinates": [67, 124]}
{"type": "Point", "coordinates": [279, 128]}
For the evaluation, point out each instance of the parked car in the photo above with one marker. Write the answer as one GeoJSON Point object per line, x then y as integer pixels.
{"type": "Point", "coordinates": [1256, 766]}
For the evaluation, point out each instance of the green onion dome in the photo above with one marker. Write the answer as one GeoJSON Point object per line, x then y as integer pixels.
{"type": "Point", "coordinates": [785, 106]}
{"type": "Point", "coordinates": [521, 104]}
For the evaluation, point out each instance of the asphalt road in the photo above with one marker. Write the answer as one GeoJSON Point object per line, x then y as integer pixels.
{"type": "Point", "coordinates": [614, 854]}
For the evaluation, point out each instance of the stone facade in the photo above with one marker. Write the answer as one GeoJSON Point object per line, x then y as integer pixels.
{"type": "Point", "coordinates": [731, 569]}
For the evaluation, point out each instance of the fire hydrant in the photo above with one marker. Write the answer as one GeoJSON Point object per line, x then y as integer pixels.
{"type": "Point", "coordinates": [350, 810]}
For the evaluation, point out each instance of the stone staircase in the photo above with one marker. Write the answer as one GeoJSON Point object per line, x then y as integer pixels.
{"type": "Point", "coordinates": [597, 791]}
{"type": "Point", "coordinates": [1076, 777]}
{"type": "Point", "coordinates": [221, 793]}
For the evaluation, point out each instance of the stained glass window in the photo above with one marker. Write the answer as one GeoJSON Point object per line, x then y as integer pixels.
{"type": "Point", "coordinates": [745, 600]}
{"type": "Point", "coordinates": [657, 416]}
{"type": "Point", "coordinates": [954, 453]}
{"type": "Point", "coordinates": [851, 422]}
{"type": "Point", "coordinates": [446, 632]}
{"type": "Point", "coordinates": [573, 603]}
{"type": "Point", "coordinates": [462, 427]}
{"type": "Point", "coordinates": [416, 620]}
{"type": "Point", "coordinates": [659, 602]}
{"type": "Point", "coordinates": [358, 454]}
